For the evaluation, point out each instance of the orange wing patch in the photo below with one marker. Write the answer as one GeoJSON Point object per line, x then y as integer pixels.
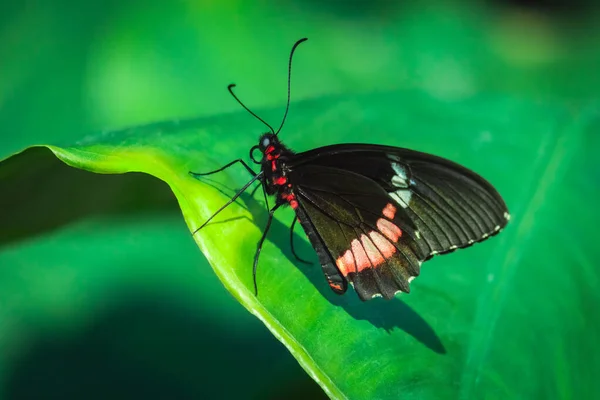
{"type": "Point", "coordinates": [389, 211]}
{"type": "Point", "coordinates": [389, 229]}
{"type": "Point", "coordinates": [372, 251]}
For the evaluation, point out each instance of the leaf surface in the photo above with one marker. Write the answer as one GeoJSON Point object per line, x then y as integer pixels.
{"type": "Point", "coordinates": [501, 319]}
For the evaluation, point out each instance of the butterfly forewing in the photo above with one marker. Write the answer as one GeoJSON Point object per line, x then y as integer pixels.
{"type": "Point", "coordinates": [368, 240]}
{"type": "Point", "coordinates": [451, 205]}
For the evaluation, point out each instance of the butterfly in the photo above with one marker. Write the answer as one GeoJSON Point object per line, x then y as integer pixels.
{"type": "Point", "coordinates": [372, 213]}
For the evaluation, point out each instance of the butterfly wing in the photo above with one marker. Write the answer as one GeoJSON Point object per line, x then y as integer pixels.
{"type": "Point", "coordinates": [451, 206]}
{"type": "Point", "coordinates": [360, 235]}
{"type": "Point", "coordinates": [345, 190]}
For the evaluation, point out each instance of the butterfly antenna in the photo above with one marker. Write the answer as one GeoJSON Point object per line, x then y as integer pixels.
{"type": "Point", "coordinates": [230, 88]}
{"type": "Point", "coordinates": [287, 107]}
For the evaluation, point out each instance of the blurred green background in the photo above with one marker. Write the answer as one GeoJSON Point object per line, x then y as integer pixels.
{"type": "Point", "coordinates": [97, 303]}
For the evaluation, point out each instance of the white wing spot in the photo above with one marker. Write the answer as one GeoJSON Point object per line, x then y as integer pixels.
{"type": "Point", "coordinates": [453, 247]}
{"type": "Point", "coordinates": [411, 278]}
{"type": "Point", "coordinates": [398, 181]}
{"type": "Point", "coordinates": [497, 228]}
{"type": "Point", "coordinates": [471, 242]}
{"type": "Point", "coordinates": [402, 197]}
{"type": "Point", "coordinates": [400, 174]}
{"type": "Point", "coordinates": [418, 234]}
{"type": "Point", "coordinates": [485, 235]}
{"type": "Point", "coordinates": [377, 295]}
{"type": "Point", "coordinates": [507, 216]}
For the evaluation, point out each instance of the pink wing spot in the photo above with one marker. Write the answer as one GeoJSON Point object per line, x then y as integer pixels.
{"type": "Point", "coordinates": [346, 263]}
{"type": "Point", "coordinates": [362, 259]}
{"type": "Point", "coordinates": [383, 247]}
{"type": "Point", "coordinates": [375, 256]}
{"type": "Point", "coordinates": [389, 229]}
{"type": "Point", "coordinates": [389, 211]}
{"type": "Point", "coordinates": [294, 204]}
{"type": "Point", "coordinates": [335, 286]}
{"type": "Point", "coordinates": [370, 252]}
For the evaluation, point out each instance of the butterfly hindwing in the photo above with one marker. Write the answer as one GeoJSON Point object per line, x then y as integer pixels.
{"type": "Point", "coordinates": [336, 281]}
{"type": "Point", "coordinates": [360, 234]}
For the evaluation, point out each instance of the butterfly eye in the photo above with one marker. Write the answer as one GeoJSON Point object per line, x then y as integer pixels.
{"type": "Point", "coordinates": [266, 142]}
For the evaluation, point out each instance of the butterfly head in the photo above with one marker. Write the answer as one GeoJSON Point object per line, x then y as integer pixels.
{"type": "Point", "coordinates": [268, 144]}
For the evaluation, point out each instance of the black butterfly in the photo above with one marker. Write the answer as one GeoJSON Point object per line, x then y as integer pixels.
{"type": "Point", "coordinates": [372, 213]}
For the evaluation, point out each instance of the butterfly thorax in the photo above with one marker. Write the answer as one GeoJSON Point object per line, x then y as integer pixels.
{"type": "Point", "coordinates": [275, 171]}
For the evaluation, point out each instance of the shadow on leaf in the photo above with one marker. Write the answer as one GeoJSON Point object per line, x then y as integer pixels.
{"type": "Point", "coordinates": [384, 314]}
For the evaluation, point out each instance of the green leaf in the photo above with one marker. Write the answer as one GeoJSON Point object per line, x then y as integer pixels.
{"type": "Point", "coordinates": [501, 319]}
{"type": "Point", "coordinates": [99, 272]}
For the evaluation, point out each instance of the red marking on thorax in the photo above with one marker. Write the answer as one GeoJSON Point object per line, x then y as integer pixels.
{"type": "Point", "coordinates": [290, 198]}
{"type": "Point", "coordinates": [271, 155]}
{"type": "Point", "coordinates": [280, 181]}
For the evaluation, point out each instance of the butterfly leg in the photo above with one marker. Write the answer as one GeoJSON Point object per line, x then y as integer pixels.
{"type": "Point", "coordinates": [260, 245]}
{"type": "Point", "coordinates": [250, 170]}
{"type": "Point", "coordinates": [263, 185]}
{"type": "Point", "coordinates": [239, 160]}
{"type": "Point", "coordinates": [234, 198]}
{"type": "Point", "coordinates": [292, 242]}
